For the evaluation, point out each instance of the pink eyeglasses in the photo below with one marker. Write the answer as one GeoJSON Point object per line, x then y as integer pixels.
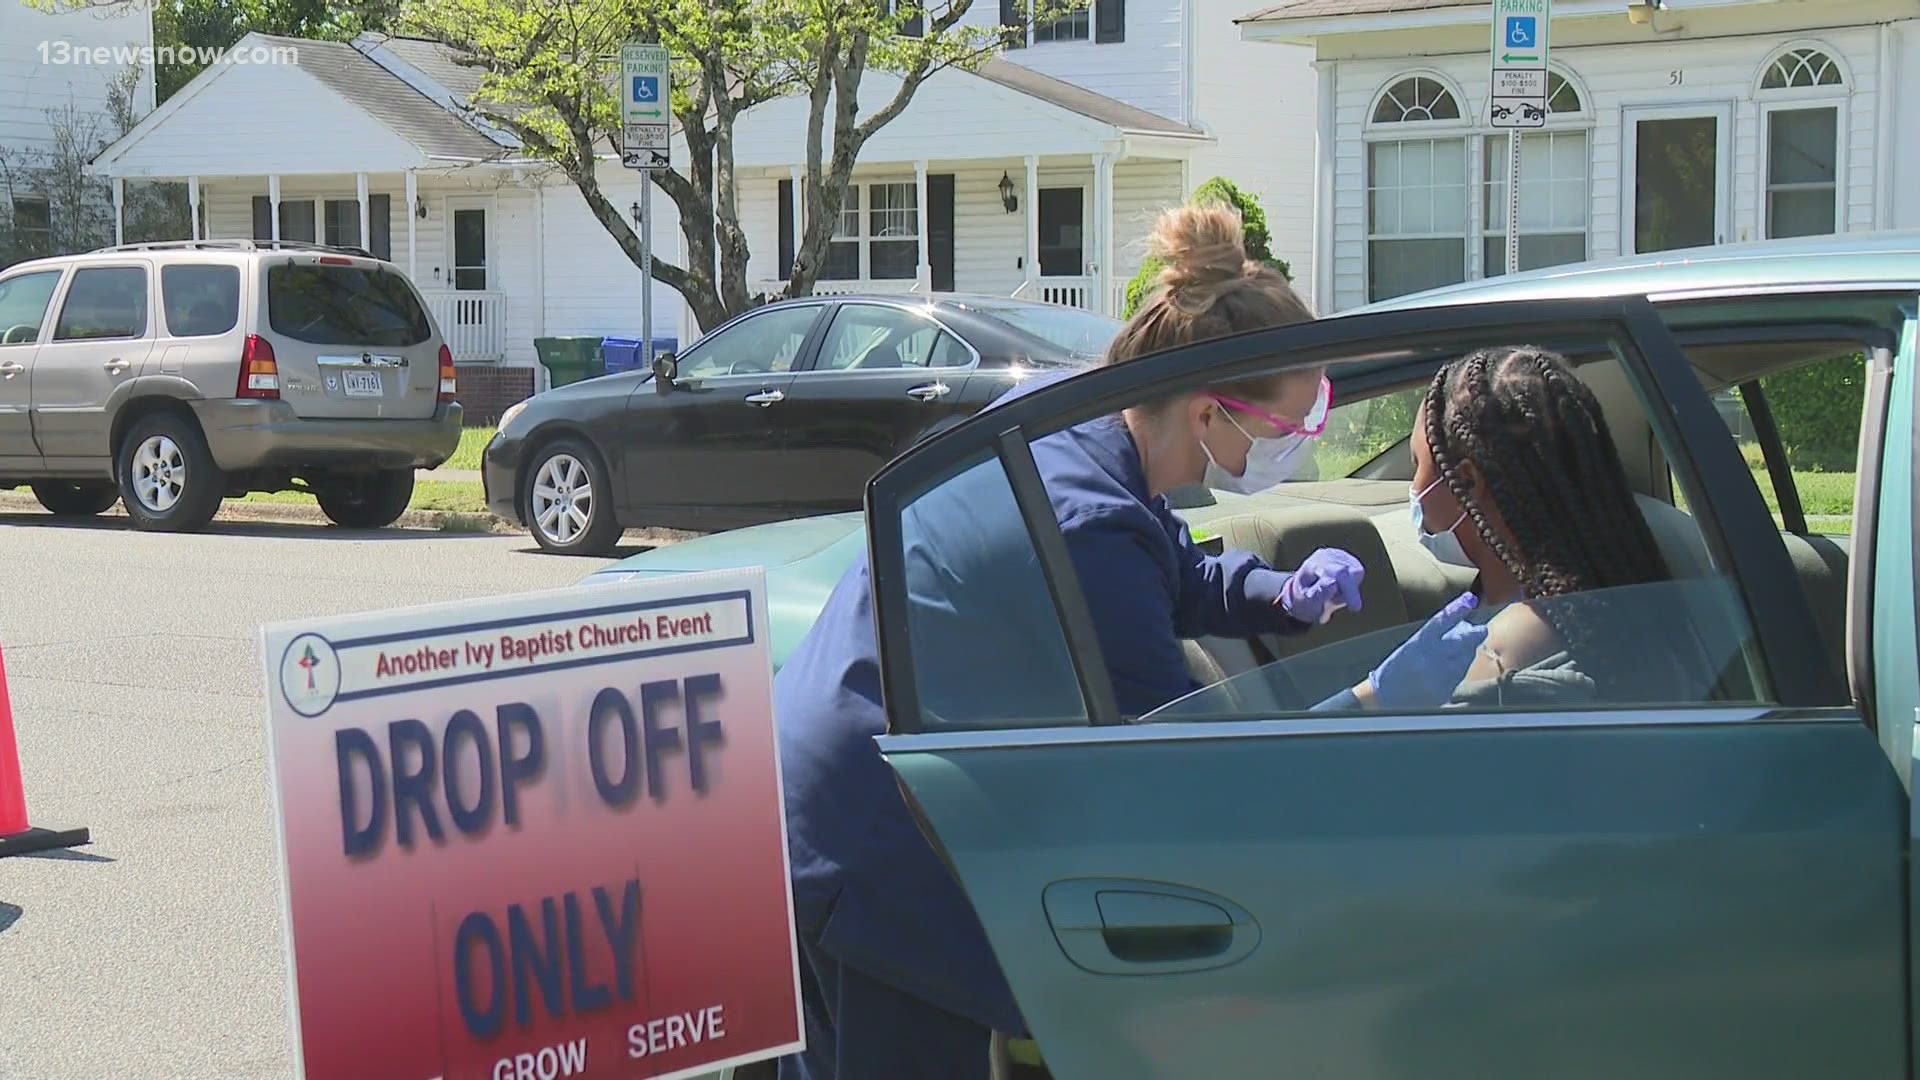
{"type": "Point", "coordinates": [1314, 424]}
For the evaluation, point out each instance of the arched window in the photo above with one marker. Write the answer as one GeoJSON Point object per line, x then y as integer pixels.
{"type": "Point", "coordinates": [1562, 97]}
{"type": "Point", "coordinates": [1555, 189]}
{"type": "Point", "coordinates": [1416, 190]}
{"type": "Point", "coordinates": [1802, 91]}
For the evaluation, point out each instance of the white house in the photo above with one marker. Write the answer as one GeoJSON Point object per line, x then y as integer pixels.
{"type": "Point", "coordinates": [52, 62]}
{"type": "Point", "coordinates": [1671, 124]}
{"type": "Point", "coordinates": [1010, 180]}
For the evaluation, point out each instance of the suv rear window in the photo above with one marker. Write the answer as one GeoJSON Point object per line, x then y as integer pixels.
{"type": "Point", "coordinates": [344, 305]}
{"type": "Point", "coordinates": [201, 301]}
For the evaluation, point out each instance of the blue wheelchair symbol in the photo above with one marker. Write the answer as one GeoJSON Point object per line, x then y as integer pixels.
{"type": "Point", "coordinates": [646, 88]}
{"type": "Point", "coordinates": [1520, 32]}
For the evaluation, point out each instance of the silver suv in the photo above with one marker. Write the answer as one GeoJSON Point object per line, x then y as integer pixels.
{"type": "Point", "coordinates": [169, 376]}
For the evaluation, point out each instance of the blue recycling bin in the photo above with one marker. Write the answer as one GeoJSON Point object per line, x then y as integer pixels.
{"type": "Point", "coordinates": [626, 354]}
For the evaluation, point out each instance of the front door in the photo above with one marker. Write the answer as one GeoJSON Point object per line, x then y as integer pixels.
{"type": "Point", "coordinates": [24, 323]}
{"type": "Point", "coordinates": [1696, 869]}
{"type": "Point", "coordinates": [1677, 159]}
{"type": "Point", "coordinates": [100, 341]}
{"type": "Point", "coordinates": [1063, 231]}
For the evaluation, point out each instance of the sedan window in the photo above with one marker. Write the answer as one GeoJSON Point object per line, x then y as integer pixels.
{"type": "Point", "coordinates": [760, 344]}
{"type": "Point", "coordinates": [869, 336]}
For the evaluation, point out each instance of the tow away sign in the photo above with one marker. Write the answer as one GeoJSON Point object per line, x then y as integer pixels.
{"type": "Point", "coordinates": [1520, 39]}
{"type": "Point", "coordinates": [646, 106]}
{"type": "Point", "coordinates": [537, 835]}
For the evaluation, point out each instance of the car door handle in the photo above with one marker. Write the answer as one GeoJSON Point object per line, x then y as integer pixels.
{"type": "Point", "coordinates": [766, 397]}
{"type": "Point", "coordinates": [116, 365]}
{"type": "Point", "coordinates": [932, 391]}
{"type": "Point", "coordinates": [9, 369]}
{"type": "Point", "coordinates": [1114, 927]}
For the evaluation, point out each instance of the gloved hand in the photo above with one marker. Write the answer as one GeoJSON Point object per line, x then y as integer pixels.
{"type": "Point", "coordinates": [1423, 672]}
{"type": "Point", "coordinates": [1327, 581]}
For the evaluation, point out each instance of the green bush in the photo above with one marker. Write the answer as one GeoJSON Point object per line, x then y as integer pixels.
{"type": "Point", "coordinates": [1259, 240]}
{"type": "Point", "coordinates": [1818, 408]}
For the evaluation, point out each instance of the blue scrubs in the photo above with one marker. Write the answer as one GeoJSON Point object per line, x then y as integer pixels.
{"type": "Point", "coordinates": [897, 977]}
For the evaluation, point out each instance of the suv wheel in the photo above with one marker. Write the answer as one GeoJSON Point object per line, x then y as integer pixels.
{"type": "Point", "coordinates": [368, 500]}
{"type": "Point", "coordinates": [569, 500]}
{"type": "Point", "coordinates": [76, 498]}
{"type": "Point", "coordinates": [168, 481]}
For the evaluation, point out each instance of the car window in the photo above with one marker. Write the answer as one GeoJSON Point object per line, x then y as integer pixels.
{"type": "Point", "coordinates": [1816, 408]}
{"type": "Point", "coordinates": [327, 304]}
{"type": "Point", "coordinates": [104, 302]}
{"type": "Point", "coordinates": [760, 344]}
{"type": "Point", "coordinates": [987, 651]}
{"type": "Point", "coordinates": [200, 301]}
{"type": "Point", "coordinates": [1359, 432]}
{"type": "Point", "coordinates": [23, 306]}
{"type": "Point", "coordinates": [868, 336]}
{"type": "Point", "coordinates": [1082, 335]}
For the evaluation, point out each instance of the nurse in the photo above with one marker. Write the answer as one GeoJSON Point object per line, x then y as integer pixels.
{"type": "Point", "coordinates": [897, 977]}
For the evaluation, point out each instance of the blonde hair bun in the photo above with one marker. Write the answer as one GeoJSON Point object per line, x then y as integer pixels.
{"type": "Point", "coordinates": [1200, 247]}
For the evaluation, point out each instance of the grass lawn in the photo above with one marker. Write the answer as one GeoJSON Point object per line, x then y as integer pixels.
{"type": "Point", "coordinates": [427, 495]}
{"type": "Point", "coordinates": [473, 441]}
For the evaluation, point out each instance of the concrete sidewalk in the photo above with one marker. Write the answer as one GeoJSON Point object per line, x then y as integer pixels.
{"type": "Point", "coordinates": [447, 476]}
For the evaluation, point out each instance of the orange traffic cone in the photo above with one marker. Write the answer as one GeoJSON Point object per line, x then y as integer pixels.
{"type": "Point", "coordinates": [16, 836]}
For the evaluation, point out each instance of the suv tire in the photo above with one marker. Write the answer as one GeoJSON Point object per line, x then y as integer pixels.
{"type": "Point", "coordinates": [76, 498]}
{"type": "Point", "coordinates": [168, 480]}
{"type": "Point", "coordinates": [366, 500]}
{"type": "Point", "coordinates": [568, 500]}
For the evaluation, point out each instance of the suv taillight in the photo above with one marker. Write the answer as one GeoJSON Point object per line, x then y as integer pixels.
{"type": "Point", "coordinates": [259, 375]}
{"type": "Point", "coordinates": [446, 373]}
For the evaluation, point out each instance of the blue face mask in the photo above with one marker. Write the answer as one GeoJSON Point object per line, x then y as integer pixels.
{"type": "Point", "coordinates": [1443, 545]}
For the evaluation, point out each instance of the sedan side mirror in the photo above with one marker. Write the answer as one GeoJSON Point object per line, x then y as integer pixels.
{"type": "Point", "coordinates": [666, 367]}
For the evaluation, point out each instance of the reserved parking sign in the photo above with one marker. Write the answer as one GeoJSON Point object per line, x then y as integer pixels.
{"type": "Point", "coordinates": [535, 837]}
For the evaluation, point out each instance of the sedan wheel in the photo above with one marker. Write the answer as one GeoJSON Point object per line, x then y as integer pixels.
{"type": "Point", "coordinates": [568, 501]}
{"type": "Point", "coordinates": [159, 473]}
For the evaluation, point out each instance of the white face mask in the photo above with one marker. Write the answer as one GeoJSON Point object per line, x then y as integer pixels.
{"type": "Point", "coordinates": [1443, 545]}
{"type": "Point", "coordinates": [1270, 462]}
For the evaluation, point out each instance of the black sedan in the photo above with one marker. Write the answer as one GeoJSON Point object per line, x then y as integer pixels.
{"type": "Point", "coordinates": [784, 411]}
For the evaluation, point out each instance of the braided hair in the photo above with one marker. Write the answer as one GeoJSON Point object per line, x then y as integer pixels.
{"type": "Point", "coordinates": [1538, 439]}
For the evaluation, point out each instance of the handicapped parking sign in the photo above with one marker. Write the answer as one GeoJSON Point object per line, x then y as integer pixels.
{"type": "Point", "coordinates": [1521, 32]}
{"type": "Point", "coordinates": [646, 89]}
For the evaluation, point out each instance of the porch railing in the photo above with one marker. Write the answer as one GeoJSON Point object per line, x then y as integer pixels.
{"type": "Point", "coordinates": [474, 323]}
{"type": "Point", "coordinates": [1080, 292]}
{"type": "Point", "coordinates": [885, 287]}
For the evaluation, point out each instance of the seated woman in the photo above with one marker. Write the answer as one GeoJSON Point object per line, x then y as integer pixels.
{"type": "Point", "coordinates": [1516, 476]}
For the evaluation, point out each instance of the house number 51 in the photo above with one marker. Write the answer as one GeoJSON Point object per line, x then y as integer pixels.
{"type": "Point", "coordinates": [1676, 78]}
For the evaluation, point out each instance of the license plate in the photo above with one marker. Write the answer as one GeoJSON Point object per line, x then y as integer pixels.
{"type": "Point", "coordinates": [362, 383]}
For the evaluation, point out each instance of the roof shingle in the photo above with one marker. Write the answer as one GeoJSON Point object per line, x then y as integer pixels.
{"type": "Point", "coordinates": [1077, 99]}
{"type": "Point", "coordinates": [412, 115]}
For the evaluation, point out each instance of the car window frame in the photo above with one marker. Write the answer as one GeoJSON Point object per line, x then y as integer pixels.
{"type": "Point", "coordinates": [147, 330]}
{"type": "Point", "coordinates": [941, 325]}
{"type": "Point", "coordinates": [240, 298]}
{"type": "Point", "coordinates": [809, 344]}
{"type": "Point", "coordinates": [54, 298]}
{"type": "Point", "coordinates": [1730, 515]}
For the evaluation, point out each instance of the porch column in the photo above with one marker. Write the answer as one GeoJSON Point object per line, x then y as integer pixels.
{"type": "Point", "coordinates": [799, 207]}
{"type": "Point", "coordinates": [119, 211]}
{"type": "Point", "coordinates": [413, 214]}
{"type": "Point", "coordinates": [273, 204]}
{"type": "Point", "coordinates": [366, 224]}
{"type": "Point", "coordinates": [923, 274]}
{"type": "Point", "coordinates": [193, 207]}
{"type": "Point", "coordinates": [1033, 225]}
{"type": "Point", "coordinates": [1103, 231]}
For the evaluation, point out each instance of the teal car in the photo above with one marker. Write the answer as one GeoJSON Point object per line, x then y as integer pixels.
{"type": "Point", "coordinates": [1713, 882]}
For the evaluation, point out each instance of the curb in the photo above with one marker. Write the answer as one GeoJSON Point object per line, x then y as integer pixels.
{"type": "Point", "coordinates": [298, 514]}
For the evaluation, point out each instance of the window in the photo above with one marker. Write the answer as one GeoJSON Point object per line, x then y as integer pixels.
{"type": "Point", "coordinates": [470, 249]}
{"type": "Point", "coordinates": [1815, 410]}
{"type": "Point", "coordinates": [866, 336]}
{"type": "Point", "coordinates": [344, 305]}
{"type": "Point", "coordinates": [296, 219]}
{"type": "Point", "coordinates": [23, 306]}
{"type": "Point", "coordinates": [200, 301]}
{"type": "Point", "coordinates": [1073, 26]}
{"type": "Point", "coordinates": [1081, 334]}
{"type": "Point", "coordinates": [338, 222]}
{"type": "Point", "coordinates": [913, 13]}
{"type": "Point", "coordinates": [882, 243]}
{"type": "Point", "coordinates": [1803, 142]}
{"type": "Point", "coordinates": [759, 344]}
{"type": "Point", "coordinates": [1554, 191]}
{"type": "Point", "coordinates": [1103, 21]}
{"type": "Point", "coordinates": [32, 226]}
{"type": "Point", "coordinates": [1416, 194]}
{"type": "Point", "coordinates": [1800, 68]}
{"type": "Point", "coordinates": [104, 302]}
{"type": "Point", "coordinates": [843, 253]}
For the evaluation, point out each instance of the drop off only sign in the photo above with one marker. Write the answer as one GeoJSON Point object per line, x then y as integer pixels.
{"type": "Point", "coordinates": [1520, 39]}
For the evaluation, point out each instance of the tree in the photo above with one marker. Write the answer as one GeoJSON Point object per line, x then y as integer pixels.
{"type": "Point", "coordinates": [547, 76]}
{"type": "Point", "coordinates": [1253, 220]}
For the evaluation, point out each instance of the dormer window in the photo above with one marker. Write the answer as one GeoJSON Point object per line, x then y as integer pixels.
{"type": "Point", "coordinates": [1102, 21]}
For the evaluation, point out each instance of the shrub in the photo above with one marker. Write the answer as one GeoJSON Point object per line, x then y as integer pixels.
{"type": "Point", "coordinates": [1818, 408]}
{"type": "Point", "coordinates": [1253, 219]}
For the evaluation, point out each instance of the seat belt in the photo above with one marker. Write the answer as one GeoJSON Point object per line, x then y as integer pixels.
{"type": "Point", "coordinates": [1262, 656]}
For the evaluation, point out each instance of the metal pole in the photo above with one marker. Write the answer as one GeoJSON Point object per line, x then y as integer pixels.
{"type": "Point", "coordinates": [1513, 201]}
{"type": "Point", "coordinates": [646, 269]}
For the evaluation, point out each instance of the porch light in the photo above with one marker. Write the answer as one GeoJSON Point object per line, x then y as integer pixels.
{"type": "Point", "coordinates": [1006, 193]}
{"type": "Point", "coordinates": [1641, 12]}
{"type": "Point", "coordinates": [635, 211]}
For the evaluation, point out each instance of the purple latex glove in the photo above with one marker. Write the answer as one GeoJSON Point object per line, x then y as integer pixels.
{"type": "Point", "coordinates": [1423, 672]}
{"type": "Point", "coordinates": [1327, 581]}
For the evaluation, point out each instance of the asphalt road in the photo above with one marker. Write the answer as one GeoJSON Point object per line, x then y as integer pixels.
{"type": "Point", "coordinates": [138, 701]}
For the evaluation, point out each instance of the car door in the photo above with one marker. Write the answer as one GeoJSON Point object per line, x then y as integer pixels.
{"type": "Point", "coordinates": [1698, 876]}
{"type": "Point", "coordinates": [25, 299]}
{"type": "Point", "coordinates": [710, 443]}
{"type": "Point", "coordinates": [884, 375]}
{"type": "Point", "coordinates": [100, 340]}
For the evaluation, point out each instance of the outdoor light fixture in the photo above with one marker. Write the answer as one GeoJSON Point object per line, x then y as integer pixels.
{"type": "Point", "coordinates": [1006, 193]}
{"type": "Point", "coordinates": [635, 211]}
{"type": "Point", "coordinates": [420, 209]}
{"type": "Point", "coordinates": [1641, 12]}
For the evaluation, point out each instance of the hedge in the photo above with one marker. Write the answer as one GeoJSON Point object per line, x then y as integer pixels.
{"type": "Point", "coordinates": [1253, 219]}
{"type": "Point", "coordinates": [1818, 408]}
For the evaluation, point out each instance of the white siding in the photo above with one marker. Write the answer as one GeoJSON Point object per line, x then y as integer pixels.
{"type": "Point", "coordinates": [591, 285]}
{"type": "Point", "coordinates": [1144, 70]}
{"type": "Point", "coordinates": [1140, 191]}
{"type": "Point", "coordinates": [33, 79]}
{"type": "Point", "coordinates": [1267, 150]}
{"type": "Point", "coordinates": [1905, 155]}
{"type": "Point", "coordinates": [1724, 70]}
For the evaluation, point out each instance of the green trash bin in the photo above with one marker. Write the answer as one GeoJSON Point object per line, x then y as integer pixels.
{"type": "Point", "coordinates": [570, 359]}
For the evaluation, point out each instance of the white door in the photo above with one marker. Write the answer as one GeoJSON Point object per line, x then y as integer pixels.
{"type": "Point", "coordinates": [470, 244]}
{"type": "Point", "coordinates": [1677, 164]}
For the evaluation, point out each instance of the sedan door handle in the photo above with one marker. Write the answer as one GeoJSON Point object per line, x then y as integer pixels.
{"type": "Point", "coordinates": [932, 391]}
{"type": "Point", "coordinates": [116, 365]}
{"type": "Point", "coordinates": [9, 369]}
{"type": "Point", "coordinates": [766, 397]}
{"type": "Point", "coordinates": [1146, 928]}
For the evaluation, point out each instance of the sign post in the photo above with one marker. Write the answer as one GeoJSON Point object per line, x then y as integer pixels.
{"type": "Point", "coordinates": [646, 91]}
{"type": "Point", "coordinates": [538, 835]}
{"type": "Point", "coordinates": [1519, 97]}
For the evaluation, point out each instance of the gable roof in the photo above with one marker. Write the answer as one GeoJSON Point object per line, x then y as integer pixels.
{"type": "Point", "coordinates": [1076, 99]}
{"type": "Point", "coordinates": [383, 95]}
{"type": "Point", "coordinates": [1326, 9]}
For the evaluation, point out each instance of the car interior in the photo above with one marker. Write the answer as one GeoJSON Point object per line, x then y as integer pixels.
{"type": "Point", "coordinates": [1366, 514]}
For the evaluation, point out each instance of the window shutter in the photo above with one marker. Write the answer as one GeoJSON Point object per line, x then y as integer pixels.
{"type": "Point", "coordinates": [262, 218]}
{"type": "Point", "coordinates": [786, 229]}
{"type": "Point", "coordinates": [1013, 24]}
{"type": "Point", "coordinates": [1109, 21]}
{"type": "Point", "coordinates": [380, 217]}
{"type": "Point", "coordinates": [916, 26]}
